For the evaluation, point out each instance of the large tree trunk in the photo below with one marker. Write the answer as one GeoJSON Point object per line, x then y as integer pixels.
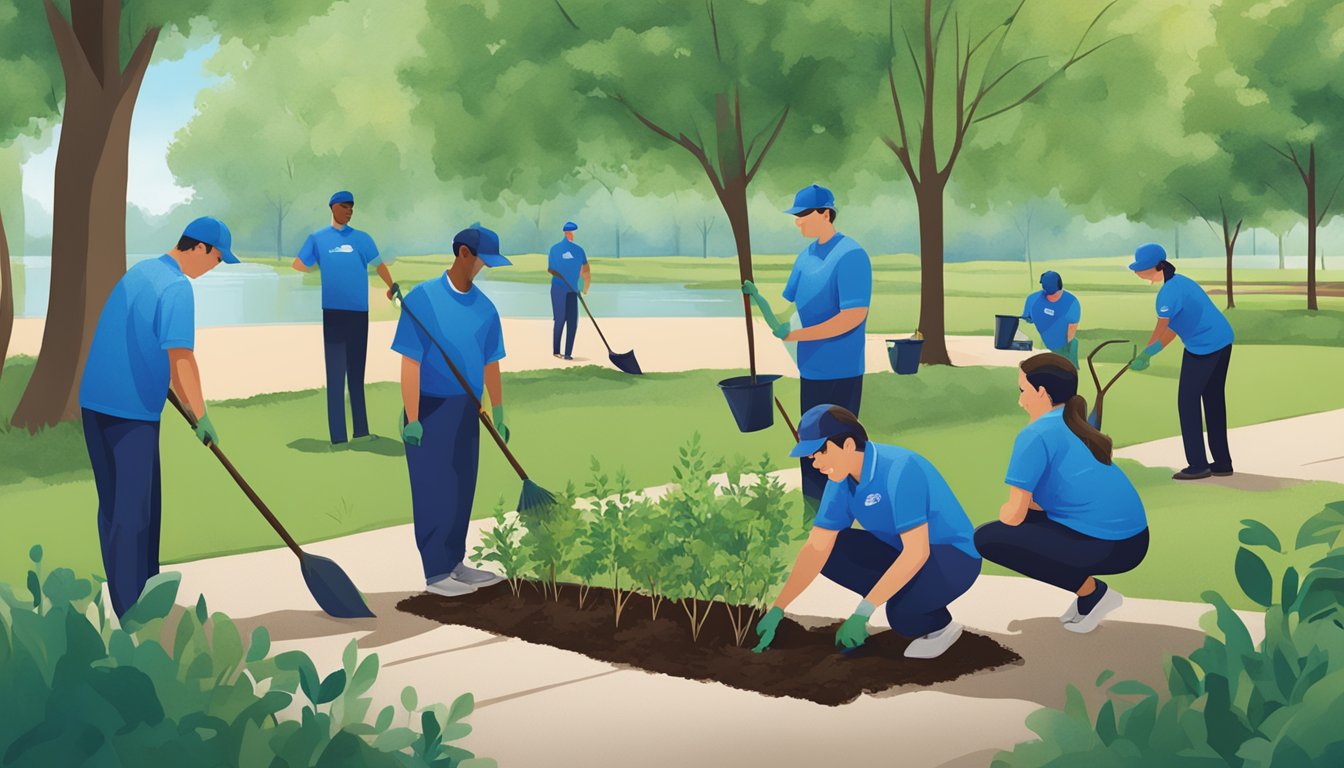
{"type": "Point", "coordinates": [734, 200]}
{"type": "Point", "coordinates": [88, 248]}
{"type": "Point", "coordinates": [6, 298]}
{"type": "Point", "coordinates": [1311, 229]}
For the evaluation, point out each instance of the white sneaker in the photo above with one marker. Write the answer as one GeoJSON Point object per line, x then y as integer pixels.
{"type": "Point", "coordinates": [1088, 622]}
{"type": "Point", "coordinates": [449, 587]}
{"type": "Point", "coordinates": [1071, 615]}
{"type": "Point", "coordinates": [475, 577]}
{"type": "Point", "coordinates": [934, 644]}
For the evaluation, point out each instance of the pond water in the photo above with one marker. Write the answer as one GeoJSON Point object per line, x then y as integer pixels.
{"type": "Point", "coordinates": [250, 294]}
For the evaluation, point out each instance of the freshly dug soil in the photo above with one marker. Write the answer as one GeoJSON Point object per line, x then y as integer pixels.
{"type": "Point", "coordinates": [801, 663]}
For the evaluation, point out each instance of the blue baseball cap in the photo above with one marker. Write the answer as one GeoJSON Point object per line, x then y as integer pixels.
{"type": "Point", "coordinates": [482, 242]}
{"type": "Point", "coordinates": [1051, 282]}
{"type": "Point", "coordinates": [570, 226]}
{"type": "Point", "coordinates": [213, 233]}
{"type": "Point", "coordinates": [341, 197]}
{"type": "Point", "coordinates": [811, 197]}
{"type": "Point", "coordinates": [1147, 256]}
{"type": "Point", "coordinates": [816, 427]}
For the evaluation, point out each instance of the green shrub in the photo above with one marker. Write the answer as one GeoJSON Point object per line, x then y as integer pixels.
{"type": "Point", "coordinates": [189, 692]}
{"type": "Point", "coordinates": [1230, 702]}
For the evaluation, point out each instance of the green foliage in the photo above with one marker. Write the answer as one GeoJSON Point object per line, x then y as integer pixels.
{"type": "Point", "coordinates": [179, 687]}
{"type": "Point", "coordinates": [1229, 702]}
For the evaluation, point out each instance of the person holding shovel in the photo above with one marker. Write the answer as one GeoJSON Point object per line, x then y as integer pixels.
{"type": "Point", "coordinates": [832, 286]}
{"type": "Point", "coordinates": [143, 343]}
{"type": "Point", "coordinates": [1185, 310]}
{"type": "Point", "coordinates": [1071, 513]}
{"type": "Point", "coordinates": [1055, 312]}
{"type": "Point", "coordinates": [441, 427]}
{"type": "Point", "coordinates": [570, 275]}
{"type": "Point", "coordinates": [344, 255]}
{"type": "Point", "coordinates": [914, 554]}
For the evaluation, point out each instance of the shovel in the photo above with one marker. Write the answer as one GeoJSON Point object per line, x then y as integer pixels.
{"type": "Point", "coordinates": [330, 587]}
{"type": "Point", "coordinates": [625, 361]}
{"type": "Point", "coordinates": [1094, 418]}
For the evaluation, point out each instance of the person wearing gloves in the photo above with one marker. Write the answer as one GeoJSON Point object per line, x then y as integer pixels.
{"type": "Point", "coordinates": [1071, 512]}
{"type": "Point", "coordinates": [832, 286]}
{"type": "Point", "coordinates": [1055, 312]}
{"type": "Point", "coordinates": [1185, 310]}
{"type": "Point", "coordinates": [914, 554]}
{"type": "Point", "coordinates": [570, 276]}
{"type": "Point", "coordinates": [441, 427]}
{"type": "Point", "coordinates": [143, 343]}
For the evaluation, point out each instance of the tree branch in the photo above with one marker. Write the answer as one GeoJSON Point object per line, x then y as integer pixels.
{"type": "Point", "coordinates": [1320, 219]}
{"type": "Point", "coordinates": [714, 27]}
{"type": "Point", "coordinates": [68, 49]}
{"type": "Point", "coordinates": [1200, 214]}
{"type": "Point", "coordinates": [1291, 159]}
{"type": "Point", "coordinates": [779, 125]}
{"type": "Point", "coordinates": [138, 64]}
{"type": "Point", "coordinates": [696, 150]}
{"type": "Point", "coordinates": [565, 13]}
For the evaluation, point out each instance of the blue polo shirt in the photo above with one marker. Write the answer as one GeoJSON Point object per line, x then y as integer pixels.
{"type": "Point", "coordinates": [1052, 318]}
{"type": "Point", "coordinates": [344, 256]}
{"type": "Point", "coordinates": [1193, 316]}
{"type": "Point", "coordinates": [1068, 482]}
{"type": "Point", "coordinates": [826, 279]}
{"type": "Point", "coordinates": [900, 490]}
{"type": "Point", "coordinates": [566, 258]}
{"type": "Point", "coordinates": [466, 324]}
{"type": "Point", "coordinates": [150, 311]}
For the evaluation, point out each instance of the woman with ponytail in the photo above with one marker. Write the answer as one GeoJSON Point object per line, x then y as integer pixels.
{"type": "Point", "coordinates": [1071, 512]}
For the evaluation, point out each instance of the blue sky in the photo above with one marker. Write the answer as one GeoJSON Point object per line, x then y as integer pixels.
{"type": "Point", "coordinates": [167, 103]}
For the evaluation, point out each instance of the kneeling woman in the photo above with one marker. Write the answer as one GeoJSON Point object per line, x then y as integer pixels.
{"type": "Point", "coordinates": [1071, 513]}
{"type": "Point", "coordinates": [914, 553]}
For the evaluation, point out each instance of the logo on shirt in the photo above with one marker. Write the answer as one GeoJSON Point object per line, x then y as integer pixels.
{"type": "Point", "coordinates": [346, 248]}
{"type": "Point", "coordinates": [568, 255]}
{"type": "Point", "coordinates": [1050, 312]}
{"type": "Point", "coordinates": [873, 498]}
{"type": "Point", "coordinates": [1164, 309]}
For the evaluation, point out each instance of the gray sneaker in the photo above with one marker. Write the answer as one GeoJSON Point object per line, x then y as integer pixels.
{"type": "Point", "coordinates": [474, 577]}
{"type": "Point", "coordinates": [1071, 615]}
{"type": "Point", "coordinates": [934, 644]}
{"type": "Point", "coordinates": [449, 587]}
{"type": "Point", "coordinates": [1086, 623]}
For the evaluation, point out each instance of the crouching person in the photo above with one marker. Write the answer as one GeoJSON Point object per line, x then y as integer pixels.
{"type": "Point", "coordinates": [1071, 513]}
{"type": "Point", "coordinates": [914, 554]}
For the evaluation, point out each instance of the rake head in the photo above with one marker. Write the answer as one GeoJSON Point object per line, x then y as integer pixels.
{"type": "Point", "coordinates": [534, 498]}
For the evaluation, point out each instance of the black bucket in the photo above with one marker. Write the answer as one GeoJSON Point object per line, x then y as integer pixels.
{"type": "Point", "coordinates": [904, 355]}
{"type": "Point", "coordinates": [752, 404]}
{"type": "Point", "coordinates": [1005, 328]}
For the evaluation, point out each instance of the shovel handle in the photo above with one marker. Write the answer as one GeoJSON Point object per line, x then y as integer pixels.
{"type": "Point", "coordinates": [238, 478]}
{"type": "Point", "coordinates": [787, 420]}
{"type": "Point", "coordinates": [587, 311]}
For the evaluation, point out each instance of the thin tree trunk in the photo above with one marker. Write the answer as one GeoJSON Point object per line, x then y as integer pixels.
{"type": "Point", "coordinates": [1177, 250]}
{"type": "Point", "coordinates": [279, 231]}
{"type": "Point", "coordinates": [1311, 229]}
{"type": "Point", "coordinates": [1281, 263]}
{"type": "Point", "coordinates": [1228, 246]}
{"type": "Point", "coordinates": [734, 200]}
{"type": "Point", "coordinates": [6, 298]}
{"type": "Point", "coordinates": [931, 311]}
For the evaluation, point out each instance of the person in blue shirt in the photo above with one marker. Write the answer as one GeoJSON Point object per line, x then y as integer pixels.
{"type": "Point", "coordinates": [914, 554]}
{"type": "Point", "coordinates": [344, 255]}
{"type": "Point", "coordinates": [1055, 312]}
{"type": "Point", "coordinates": [570, 275]}
{"type": "Point", "coordinates": [441, 428]}
{"type": "Point", "coordinates": [1185, 310]}
{"type": "Point", "coordinates": [1071, 513]}
{"type": "Point", "coordinates": [143, 343]}
{"type": "Point", "coordinates": [832, 286]}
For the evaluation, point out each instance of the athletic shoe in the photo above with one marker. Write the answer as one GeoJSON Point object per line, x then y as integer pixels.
{"type": "Point", "coordinates": [1071, 614]}
{"type": "Point", "coordinates": [1222, 472]}
{"type": "Point", "coordinates": [567, 357]}
{"type": "Point", "coordinates": [474, 577]}
{"type": "Point", "coordinates": [1089, 621]}
{"type": "Point", "coordinates": [1190, 474]}
{"type": "Point", "coordinates": [557, 356]}
{"type": "Point", "coordinates": [934, 644]}
{"type": "Point", "coordinates": [449, 587]}
{"type": "Point", "coordinates": [369, 438]}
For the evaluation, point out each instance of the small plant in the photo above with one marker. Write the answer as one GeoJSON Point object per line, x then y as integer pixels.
{"type": "Point", "coordinates": [549, 536]}
{"type": "Point", "coordinates": [502, 544]}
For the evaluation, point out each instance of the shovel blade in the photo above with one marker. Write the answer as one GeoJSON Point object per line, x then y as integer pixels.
{"type": "Point", "coordinates": [332, 589]}
{"type": "Point", "coordinates": [626, 362]}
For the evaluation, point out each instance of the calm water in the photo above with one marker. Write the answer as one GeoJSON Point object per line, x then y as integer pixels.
{"type": "Point", "coordinates": [247, 294]}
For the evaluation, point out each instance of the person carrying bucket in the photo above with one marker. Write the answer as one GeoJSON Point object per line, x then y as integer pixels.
{"type": "Point", "coordinates": [914, 554]}
{"type": "Point", "coordinates": [1071, 513]}
{"type": "Point", "coordinates": [1055, 312]}
{"type": "Point", "coordinates": [832, 287]}
{"type": "Point", "coordinates": [1185, 310]}
{"type": "Point", "coordinates": [144, 341]}
{"type": "Point", "coordinates": [441, 426]}
{"type": "Point", "coordinates": [568, 265]}
{"type": "Point", "coordinates": [344, 255]}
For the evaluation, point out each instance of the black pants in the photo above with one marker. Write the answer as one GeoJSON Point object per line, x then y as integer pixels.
{"type": "Point", "coordinates": [1204, 380]}
{"type": "Point", "coordinates": [846, 393]}
{"type": "Point", "coordinates": [1055, 553]}
{"type": "Point", "coordinates": [565, 313]}
{"type": "Point", "coordinates": [345, 336]}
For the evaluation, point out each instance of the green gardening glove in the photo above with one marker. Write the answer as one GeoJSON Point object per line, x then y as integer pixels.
{"type": "Point", "coordinates": [497, 416]}
{"type": "Point", "coordinates": [1145, 357]}
{"type": "Point", "coordinates": [412, 433]}
{"type": "Point", "coordinates": [750, 289]}
{"type": "Point", "coordinates": [779, 329]}
{"type": "Point", "coordinates": [582, 289]}
{"type": "Point", "coordinates": [765, 628]}
{"type": "Point", "coordinates": [205, 430]}
{"type": "Point", "coordinates": [1072, 352]}
{"type": "Point", "coordinates": [853, 633]}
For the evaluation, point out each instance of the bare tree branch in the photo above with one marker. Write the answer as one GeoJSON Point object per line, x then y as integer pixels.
{"type": "Point", "coordinates": [565, 13]}
{"type": "Point", "coordinates": [696, 150]}
{"type": "Point", "coordinates": [1200, 214]}
{"type": "Point", "coordinates": [779, 125]}
{"type": "Point", "coordinates": [1326, 208]}
{"type": "Point", "coordinates": [714, 27]}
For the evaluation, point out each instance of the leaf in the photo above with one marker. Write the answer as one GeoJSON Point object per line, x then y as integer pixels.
{"type": "Point", "coordinates": [62, 588]}
{"type": "Point", "coordinates": [1104, 676]}
{"type": "Point", "coordinates": [429, 725]}
{"type": "Point", "coordinates": [409, 699]}
{"type": "Point", "coordinates": [1288, 590]}
{"type": "Point", "coordinates": [34, 589]}
{"type": "Point", "coordinates": [1184, 672]}
{"type": "Point", "coordinates": [201, 612]}
{"type": "Point", "coordinates": [298, 661]}
{"type": "Point", "coordinates": [349, 656]}
{"type": "Point", "coordinates": [384, 720]}
{"type": "Point", "coordinates": [35, 554]}
{"type": "Point", "coordinates": [1257, 534]}
{"type": "Point", "coordinates": [1106, 723]}
{"type": "Point", "coordinates": [1323, 527]}
{"type": "Point", "coordinates": [395, 740]}
{"type": "Point", "coordinates": [260, 645]}
{"type": "Point", "coordinates": [331, 687]}
{"type": "Point", "coordinates": [155, 601]}
{"type": "Point", "coordinates": [365, 675]}
{"type": "Point", "coordinates": [1253, 577]}
{"type": "Point", "coordinates": [1132, 688]}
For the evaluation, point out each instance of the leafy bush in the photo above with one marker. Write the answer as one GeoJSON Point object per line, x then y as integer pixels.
{"type": "Point", "coordinates": [185, 689]}
{"type": "Point", "coordinates": [1230, 702]}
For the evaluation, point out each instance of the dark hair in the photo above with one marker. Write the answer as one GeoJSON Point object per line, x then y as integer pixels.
{"type": "Point", "coordinates": [854, 429]}
{"type": "Point", "coordinates": [185, 243]}
{"type": "Point", "coordinates": [457, 248]}
{"type": "Point", "coordinates": [1168, 269]}
{"type": "Point", "coordinates": [1060, 379]}
{"type": "Point", "coordinates": [830, 213]}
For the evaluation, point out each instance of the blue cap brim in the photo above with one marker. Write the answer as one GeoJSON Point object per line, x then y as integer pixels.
{"type": "Point", "coordinates": [494, 260]}
{"type": "Point", "coordinates": [228, 256]}
{"type": "Point", "coordinates": [1137, 267]}
{"type": "Point", "coordinates": [806, 448]}
{"type": "Point", "coordinates": [795, 210]}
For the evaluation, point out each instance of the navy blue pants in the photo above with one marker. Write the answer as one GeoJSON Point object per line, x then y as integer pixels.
{"type": "Point", "coordinates": [860, 559]}
{"type": "Point", "coordinates": [1204, 381]}
{"type": "Point", "coordinates": [443, 480]}
{"type": "Point", "coordinates": [1056, 554]}
{"type": "Point", "coordinates": [345, 337]}
{"type": "Point", "coordinates": [565, 310]}
{"type": "Point", "coordinates": [125, 458]}
{"type": "Point", "coordinates": [846, 393]}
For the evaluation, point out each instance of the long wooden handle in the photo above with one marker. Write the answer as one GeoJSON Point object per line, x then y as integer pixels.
{"type": "Point", "coordinates": [787, 420]}
{"type": "Point", "coordinates": [238, 478]}
{"type": "Point", "coordinates": [596, 327]}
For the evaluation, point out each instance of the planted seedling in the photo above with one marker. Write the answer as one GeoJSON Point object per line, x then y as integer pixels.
{"type": "Point", "coordinates": [503, 544]}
